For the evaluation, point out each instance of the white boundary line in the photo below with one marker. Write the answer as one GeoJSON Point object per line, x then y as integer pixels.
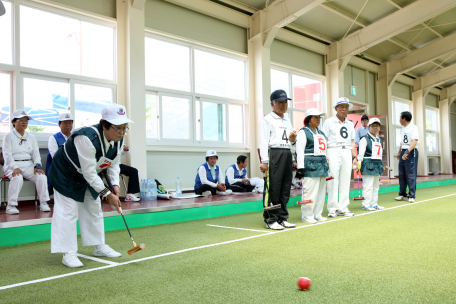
{"type": "Point", "coordinates": [240, 228]}
{"type": "Point", "coordinates": [96, 259]}
{"type": "Point", "coordinates": [206, 246]}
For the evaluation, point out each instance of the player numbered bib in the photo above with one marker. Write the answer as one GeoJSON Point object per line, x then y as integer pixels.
{"type": "Point", "coordinates": [406, 139]}
{"type": "Point", "coordinates": [377, 150]}
{"type": "Point", "coordinates": [281, 138]}
{"type": "Point", "coordinates": [342, 134]}
{"type": "Point", "coordinates": [319, 145]}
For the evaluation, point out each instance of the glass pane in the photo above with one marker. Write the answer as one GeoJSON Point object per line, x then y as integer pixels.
{"type": "Point", "coordinates": [398, 139]}
{"type": "Point", "coordinates": [89, 101]}
{"type": "Point", "coordinates": [298, 122]}
{"type": "Point", "coordinates": [167, 65]}
{"type": "Point", "coordinates": [236, 123]}
{"type": "Point", "coordinates": [176, 117]}
{"type": "Point", "coordinates": [219, 76]}
{"type": "Point", "coordinates": [6, 47]}
{"type": "Point", "coordinates": [151, 116]}
{"type": "Point", "coordinates": [214, 121]}
{"type": "Point", "coordinates": [45, 100]}
{"type": "Point", "coordinates": [431, 142]}
{"type": "Point", "coordinates": [306, 93]}
{"type": "Point", "coordinates": [5, 98]}
{"type": "Point", "coordinates": [279, 81]}
{"type": "Point", "coordinates": [431, 120]}
{"type": "Point", "coordinates": [399, 107]}
{"type": "Point", "coordinates": [73, 47]}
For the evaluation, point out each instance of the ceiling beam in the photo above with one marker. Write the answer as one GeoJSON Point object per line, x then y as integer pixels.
{"type": "Point", "coordinates": [392, 25]}
{"type": "Point", "coordinates": [281, 13]}
{"type": "Point", "coordinates": [215, 10]}
{"type": "Point", "coordinates": [448, 93]}
{"type": "Point", "coordinates": [439, 77]}
{"type": "Point", "coordinates": [301, 41]}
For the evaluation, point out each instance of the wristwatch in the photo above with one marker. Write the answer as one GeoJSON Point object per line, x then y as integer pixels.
{"type": "Point", "coordinates": [38, 166]}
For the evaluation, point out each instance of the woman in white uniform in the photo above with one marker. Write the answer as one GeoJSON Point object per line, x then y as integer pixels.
{"type": "Point", "coordinates": [370, 159]}
{"type": "Point", "coordinates": [22, 160]}
{"type": "Point", "coordinates": [312, 166]}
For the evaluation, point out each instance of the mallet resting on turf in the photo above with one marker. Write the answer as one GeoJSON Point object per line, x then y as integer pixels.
{"type": "Point", "coordinates": [303, 201]}
{"type": "Point", "coordinates": [359, 198]}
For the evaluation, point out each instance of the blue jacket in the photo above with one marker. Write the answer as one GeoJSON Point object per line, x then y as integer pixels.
{"type": "Point", "coordinates": [60, 139]}
{"type": "Point", "coordinates": [236, 174]}
{"type": "Point", "coordinates": [198, 182]}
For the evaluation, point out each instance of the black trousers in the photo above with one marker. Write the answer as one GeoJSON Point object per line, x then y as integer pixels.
{"type": "Point", "coordinates": [240, 187]}
{"type": "Point", "coordinates": [277, 185]}
{"type": "Point", "coordinates": [204, 188]}
{"type": "Point", "coordinates": [133, 179]}
{"type": "Point", "coordinates": [407, 173]}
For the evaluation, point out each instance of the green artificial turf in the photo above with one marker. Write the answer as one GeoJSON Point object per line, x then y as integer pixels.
{"type": "Point", "coordinates": [402, 255]}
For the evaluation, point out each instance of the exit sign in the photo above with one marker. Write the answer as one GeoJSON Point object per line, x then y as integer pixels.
{"type": "Point", "coordinates": [353, 90]}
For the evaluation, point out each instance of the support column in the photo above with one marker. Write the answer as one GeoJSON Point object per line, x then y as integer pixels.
{"type": "Point", "coordinates": [419, 119]}
{"type": "Point", "coordinates": [445, 143]}
{"type": "Point", "coordinates": [131, 78]}
{"type": "Point", "coordinates": [334, 77]}
{"type": "Point", "coordinates": [384, 106]}
{"type": "Point", "coordinates": [259, 85]}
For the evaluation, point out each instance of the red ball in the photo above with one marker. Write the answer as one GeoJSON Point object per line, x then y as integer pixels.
{"type": "Point", "coordinates": [304, 283]}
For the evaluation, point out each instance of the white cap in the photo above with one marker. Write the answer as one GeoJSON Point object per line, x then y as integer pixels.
{"type": "Point", "coordinates": [211, 153]}
{"type": "Point", "coordinates": [314, 112]}
{"type": "Point", "coordinates": [343, 100]}
{"type": "Point", "coordinates": [374, 120]}
{"type": "Point", "coordinates": [115, 114]}
{"type": "Point", "coordinates": [65, 116]}
{"type": "Point", "coordinates": [21, 113]}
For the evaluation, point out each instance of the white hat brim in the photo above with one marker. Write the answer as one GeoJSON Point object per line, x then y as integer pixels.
{"type": "Point", "coordinates": [350, 105]}
{"type": "Point", "coordinates": [119, 121]}
{"type": "Point", "coordinates": [29, 117]}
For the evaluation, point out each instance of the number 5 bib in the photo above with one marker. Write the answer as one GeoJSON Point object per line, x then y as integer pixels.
{"type": "Point", "coordinates": [342, 135]}
{"type": "Point", "coordinates": [319, 145]}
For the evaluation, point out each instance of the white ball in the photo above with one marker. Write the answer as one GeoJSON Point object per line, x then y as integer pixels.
{"type": "Point", "coordinates": [355, 167]}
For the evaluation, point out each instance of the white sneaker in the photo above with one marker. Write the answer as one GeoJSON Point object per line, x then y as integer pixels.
{"type": "Point", "coordinates": [131, 198]}
{"type": "Point", "coordinates": [227, 192]}
{"type": "Point", "coordinates": [377, 207]}
{"type": "Point", "coordinates": [411, 200]}
{"type": "Point", "coordinates": [399, 198]}
{"type": "Point", "coordinates": [106, 251]}
{"type": "Point", "coordinates": [332, 214]}
{"type": "Point", "coordinates": [310, 221]}
{"type": "Point", "coordinates": [380, 184]}
{"type": "Point", "coordinates": [274, 226]}
{"type": "Point", "coordinates": [44, 207]}
{"type": "Point", "coordinates": [287, 225]}
{"type": "Point", "coordinates": [206, 193]}
{"type": "Point", "coordinates": [347, 214]}
{"type": "Point", "coordinates": [11, 210]}
{"type": "Point", "coordinates": [71, 260]}
{"type": "Point", "coordinates": [321, 219]}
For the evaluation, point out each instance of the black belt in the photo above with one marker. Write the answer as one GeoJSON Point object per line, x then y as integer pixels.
{"type": "Point", "coordinates": [23, 160]}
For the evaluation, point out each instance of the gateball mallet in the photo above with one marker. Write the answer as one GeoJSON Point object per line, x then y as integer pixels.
{"type": "Point", "coordinates": [359, 198]}
{"type": "Point", "coordinates": [135, 247]}
{"type": "Point", "coordinates": [389, 168]}
{"type": "Point", "coordinates": [304, 201]}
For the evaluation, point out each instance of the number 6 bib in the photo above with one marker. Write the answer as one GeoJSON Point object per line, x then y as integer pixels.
{"type": "Point", "coordinates": [342, 135]}
{"type": "Point", "coordinates": [319, 145]}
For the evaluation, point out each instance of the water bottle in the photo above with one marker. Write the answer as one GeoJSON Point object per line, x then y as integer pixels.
{"type": "Point", "coordinates": [141, 192]}
{"type": "Point", "coordinates": [153, 189]}
{"type": "Point", "coordinates": [148, 194]}
{"type": "Point", "coordinates": [178, 188]}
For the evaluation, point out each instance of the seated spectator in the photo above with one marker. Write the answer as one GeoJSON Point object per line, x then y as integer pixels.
{"type": "Point", "coordinates": [236, 176]}
{"type": "Point", "coordinates": [133, 178]}
{"type": "Point", "coordinates": [22, 160]}
{"type": "Point", "coordinates": [208, 177]}
{"type": "Point", "coordinates": [57, 140]}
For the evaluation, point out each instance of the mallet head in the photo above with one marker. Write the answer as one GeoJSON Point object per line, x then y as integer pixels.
{"type": "Point", "coordinates": [136, 248]}
{"type": "Point", "coordinates": [307, 201]}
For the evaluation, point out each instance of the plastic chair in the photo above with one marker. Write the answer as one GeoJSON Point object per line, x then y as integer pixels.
{"type": "Point", "coordinates": [5, 179]}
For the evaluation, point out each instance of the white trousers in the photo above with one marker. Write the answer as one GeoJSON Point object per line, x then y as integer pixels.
{"type": "Point", "coordinates": [66, 213]}
{"type": "Point", "coordinates": [340, 166]}
{"type": "Point", "coordinates": [17, 181]}
{"type": "Point", "coordinates": [371, 185]}
{"type": "Point", "coordinates": [314, 189]}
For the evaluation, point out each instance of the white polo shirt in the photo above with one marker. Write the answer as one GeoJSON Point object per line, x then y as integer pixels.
{"type": "Point", "coordinates": [274, 132]}
{"type": "Point", "coordinates": [409, 134]}
{"type": "Point", "coordinates": [338, 133]}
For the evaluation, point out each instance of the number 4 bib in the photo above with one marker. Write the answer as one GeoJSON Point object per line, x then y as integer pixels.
{"type": "Point", "coordinates": [282, 134]}
{"type": "Point", "coordinates": [319, 145]}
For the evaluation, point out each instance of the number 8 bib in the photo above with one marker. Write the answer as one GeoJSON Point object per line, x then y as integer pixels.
{"type": "Point", "coordinates": [319, 145]}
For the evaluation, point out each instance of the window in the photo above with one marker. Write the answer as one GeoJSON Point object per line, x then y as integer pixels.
{"type": "Point", "coordinates": [167, 65]}
{"type": "Point", "coordinates": [5, 99]}
{"type": "Point", "coordinates": [194, 95]}
{"type": "Point", "coordinates": [304, 91]}
{"type": "Point", "coordinates": [44, 101]}
{"type": "Point", "coordinates": [89, 101]}
{"type": "Point", "coordinates": [73, 47]}
{"type": "Point", "coordinates": [399, 106]}
{"type": "Point", "coordinates": [432, 130]}
{"type": "Point", "coordinates": [6, 46]}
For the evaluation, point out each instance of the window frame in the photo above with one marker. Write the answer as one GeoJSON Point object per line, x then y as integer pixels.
{"type": "Point", "coordinates": [436, 133]}
{"type": "Point", "coordinates": [199, 98]}
{"type": "Point", "coordinates": [190, 121]}
{"type": "Point", "coordinates": [395, 99]}
{"type": "Point", "coordinates": [11, 104]}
